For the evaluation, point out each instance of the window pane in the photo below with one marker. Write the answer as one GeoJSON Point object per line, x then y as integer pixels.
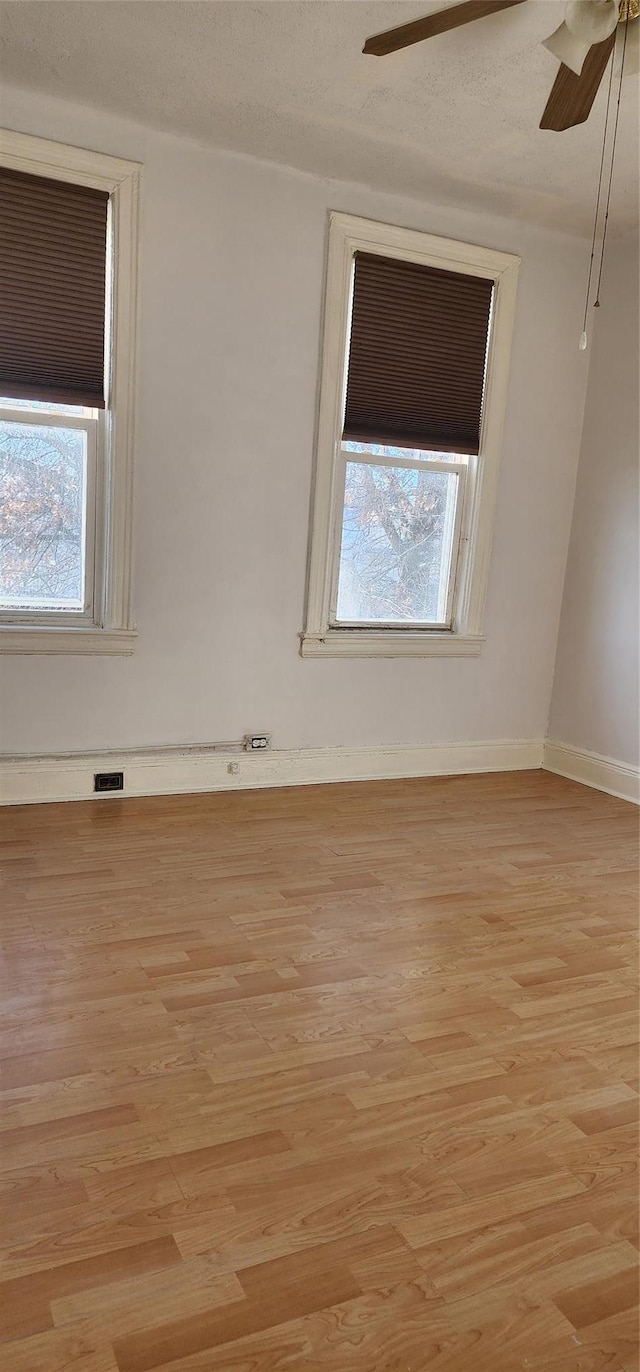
{"type": "Point", "coordinates": [43, 475]}
{"type": "Point", "coordinates": [51, 406]}
{"type": "Point", "coordinates": [397, 544]}
{"type": "Point", "coordinates": [414, 454]}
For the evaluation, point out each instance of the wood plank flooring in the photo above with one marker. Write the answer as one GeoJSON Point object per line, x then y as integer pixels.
{"type": "Point", "coordinates": [337, 1079]}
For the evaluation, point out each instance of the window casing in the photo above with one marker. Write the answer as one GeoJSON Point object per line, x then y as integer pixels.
{"type": "Point", "coordinates": [75, 463]}
{"type": "Point", "coordinates": [407, 603]}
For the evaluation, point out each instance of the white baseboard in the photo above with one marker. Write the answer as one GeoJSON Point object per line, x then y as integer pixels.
{"type": "Point", "coordinates": [25, 780]}
{"type": "Point", "coordinates": [592, 769]}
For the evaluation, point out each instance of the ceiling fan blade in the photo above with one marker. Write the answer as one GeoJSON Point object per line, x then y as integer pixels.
{"type": "Point", "coordinates": [432, 24]}
{"type": "Point", "coordinates": [572, 96]}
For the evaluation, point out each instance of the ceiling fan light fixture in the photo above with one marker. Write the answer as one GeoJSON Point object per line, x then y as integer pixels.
{"type": "Point", "coordinates": [586, 22]}
{"type": "Point", "coordinates": [568, 48]}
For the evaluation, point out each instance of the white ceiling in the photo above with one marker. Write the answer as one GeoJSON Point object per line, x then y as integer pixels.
{"type": "Point", "coordinates": [455, 118]}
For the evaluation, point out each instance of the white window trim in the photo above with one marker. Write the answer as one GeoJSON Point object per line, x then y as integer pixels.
{"type": "Point", "coordinates": [112, 632]}
{"type": "Point", "coordinates": [348, 234]}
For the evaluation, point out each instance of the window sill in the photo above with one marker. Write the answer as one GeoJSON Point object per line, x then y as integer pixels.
{"type": "Point", "coordinates": [389, 643]}
{"type": "Point", "coordinates": [27, 638]}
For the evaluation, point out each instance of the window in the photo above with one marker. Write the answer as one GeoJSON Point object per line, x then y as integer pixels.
{"type": "Point", "coordinates": [67, 346]}
{"type": "Point", "coordinates": [400, 537]}
{"type": "Point", "coordinates": [47, 524]}
{"type": "Point", "coordinates": [417, 339]}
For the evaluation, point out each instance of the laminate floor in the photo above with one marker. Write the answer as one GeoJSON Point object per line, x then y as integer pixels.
{"type": "Point", "coordinates": [336, 1079]}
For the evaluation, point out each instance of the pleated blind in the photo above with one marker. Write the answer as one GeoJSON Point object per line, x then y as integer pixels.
{"type": "Point", "coordinates": [417, 355]}
{"type": "Point", "coordinates": [52, 290]}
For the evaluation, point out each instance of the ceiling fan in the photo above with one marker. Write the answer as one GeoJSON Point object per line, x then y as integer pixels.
{"type": "Point", "coordinates": [583, 43]}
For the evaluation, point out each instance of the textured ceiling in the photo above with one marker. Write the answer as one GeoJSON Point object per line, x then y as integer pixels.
{"type": "Point", "coordinates": [454, 119]}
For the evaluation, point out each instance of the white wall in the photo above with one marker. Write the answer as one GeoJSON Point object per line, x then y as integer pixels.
{"type": "Point", "coordinates": [233, 258]}
{"type": "Point", "coordinates": [595, 693]}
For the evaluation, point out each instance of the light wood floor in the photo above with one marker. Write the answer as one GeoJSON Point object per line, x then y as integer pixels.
{"type": "Point", "coordinates": [339, 1079]}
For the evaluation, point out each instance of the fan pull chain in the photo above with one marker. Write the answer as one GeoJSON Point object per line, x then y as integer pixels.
{"type": "Point", "coordinates": [596, 303]}
{"type": "Point", "coordinates": [583, 336]}
{"type": "Point", "coordinates": [613, 158]}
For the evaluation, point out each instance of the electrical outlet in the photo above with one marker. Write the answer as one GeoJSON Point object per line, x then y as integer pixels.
{"type": "Point", "coordinates": [108, 781]}
{"type": "Point", "coordinates": [256, 742]}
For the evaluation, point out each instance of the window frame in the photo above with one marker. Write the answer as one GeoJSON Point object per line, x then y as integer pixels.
{"type": "Point", "coordinates": [321, 638]}
{"type": "Point", "coordinates": [109, 629]}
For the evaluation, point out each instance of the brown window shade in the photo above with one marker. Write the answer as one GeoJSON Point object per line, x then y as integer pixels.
{"type": "Point", "coordinates": [52, 290]}
{"type": "Point", "coordinates": [417, 355]}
